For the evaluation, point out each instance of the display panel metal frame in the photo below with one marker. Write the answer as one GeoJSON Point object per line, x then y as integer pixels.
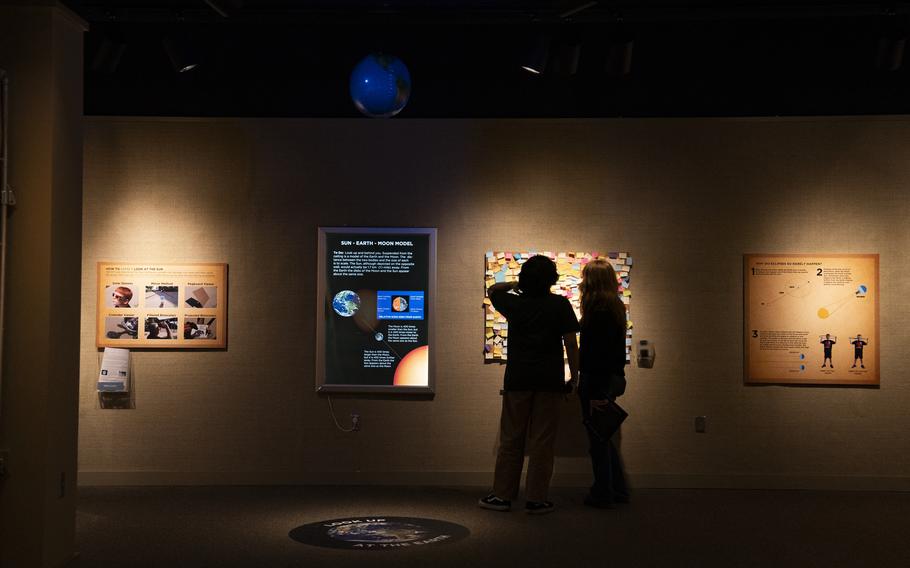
{"type": "Point", "coordinates": [323, 309]}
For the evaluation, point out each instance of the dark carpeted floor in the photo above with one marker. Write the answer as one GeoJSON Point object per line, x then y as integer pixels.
{"type": "Point", "coordinates": [248, 526]}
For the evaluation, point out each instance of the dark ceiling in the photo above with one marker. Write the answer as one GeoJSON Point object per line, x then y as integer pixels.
{"type": "Point", "coordinates": [293, 58]}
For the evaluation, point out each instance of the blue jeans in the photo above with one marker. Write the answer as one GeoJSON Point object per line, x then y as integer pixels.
{"type": "Point", "coordinates": [609, 477]}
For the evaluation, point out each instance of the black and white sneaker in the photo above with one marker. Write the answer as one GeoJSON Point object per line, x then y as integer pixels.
{"type": "Point", "coordinates": [538, 507]}
{"type": "Point", "coordinates": [494, 503]}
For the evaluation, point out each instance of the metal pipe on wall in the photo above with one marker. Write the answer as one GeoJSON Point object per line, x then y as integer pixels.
{"type": "Point", "coordinates": [6, 196]}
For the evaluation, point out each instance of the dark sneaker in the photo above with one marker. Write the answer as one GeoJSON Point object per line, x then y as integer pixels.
{"type": "Point", "coordinates": [598, 503]}
{"type": "Point", "coordinates": [494, 503]}
{"type": "Point", "coordinates": [538, 507]}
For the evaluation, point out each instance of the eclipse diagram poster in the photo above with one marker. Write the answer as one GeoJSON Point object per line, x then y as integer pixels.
{"type": "Point", "coordinates": [376, 289]}
{"type": "Point", "coordinates": [165, 306]}
{"type": "Point", "coordinates": [812, 318]}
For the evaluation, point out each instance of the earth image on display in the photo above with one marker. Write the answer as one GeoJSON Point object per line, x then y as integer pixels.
{"type": "Point", "coordinates": [346, 303]}
{"type": "Point", "coordinates": [378, 532]}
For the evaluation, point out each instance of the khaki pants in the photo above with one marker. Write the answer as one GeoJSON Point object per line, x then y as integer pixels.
{"type": "Point", "coordinates": [531, 417]}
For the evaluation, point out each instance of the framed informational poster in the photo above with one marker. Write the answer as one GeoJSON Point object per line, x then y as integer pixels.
{"type": "Point", "coordinates": [504, 266]}
{"type": "Point", "coordinates": [376, 290]}
{"type": "Point", "coordinates": [811, 319]}
{"type": "Point", "coordinates": [162, 306]}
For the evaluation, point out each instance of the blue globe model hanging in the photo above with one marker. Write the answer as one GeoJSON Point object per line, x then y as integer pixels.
{"type": "Point", "coordinates": [380, 85]}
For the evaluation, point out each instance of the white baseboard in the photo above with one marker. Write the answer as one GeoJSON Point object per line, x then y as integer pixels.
{"type": "Point", "coordinates": [485, 479]}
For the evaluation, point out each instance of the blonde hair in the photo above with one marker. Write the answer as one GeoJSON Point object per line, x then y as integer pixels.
{"type": "Point", "coordinates": [599, 290]}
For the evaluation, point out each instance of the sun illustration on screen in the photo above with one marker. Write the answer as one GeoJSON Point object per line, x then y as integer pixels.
{"type": "Point", "coordinates": [413, 371]}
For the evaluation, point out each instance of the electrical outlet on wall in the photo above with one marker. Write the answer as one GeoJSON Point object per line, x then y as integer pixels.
{"type": "Point", "coordinates": [4, 462]}
{"type": "Point", "coordinates": [355, 421]}
{"type": "Point", "coordinates": [701, 424]}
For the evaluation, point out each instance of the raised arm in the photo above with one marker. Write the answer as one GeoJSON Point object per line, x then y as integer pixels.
{"type": "Point", "coordinates": [500, 287]}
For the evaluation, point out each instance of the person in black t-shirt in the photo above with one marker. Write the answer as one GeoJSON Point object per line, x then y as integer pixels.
{"type": "Point", "coordinates": [858, 345]}
{"type": "Point", "coordinates": [540, 325]}
{"type": "Point", "coordinates": [827, 344]}
{"type": "Point", "coordinates": [602, 375]}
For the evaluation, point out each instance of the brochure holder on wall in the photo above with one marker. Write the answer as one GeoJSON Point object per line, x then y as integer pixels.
{"type": "Point", "coordinates": [114, 390]}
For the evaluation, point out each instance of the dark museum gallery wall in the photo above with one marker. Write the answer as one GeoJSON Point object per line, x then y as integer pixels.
{"type": "Point", "coordinates": [686, 197]}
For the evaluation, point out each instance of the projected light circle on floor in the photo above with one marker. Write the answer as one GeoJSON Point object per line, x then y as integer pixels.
{"type": "Point", "coordinates": [378, 533]}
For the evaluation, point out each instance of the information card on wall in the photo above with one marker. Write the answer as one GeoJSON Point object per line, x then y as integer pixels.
{"type": "Point", "coordinates": [171, 306]}
{"type": "Point", "coordinates": [375, 296]}
{"type": "Point", "coordinates": [115, 370]}
{"type": "Point", "coordinates": [811, 318]}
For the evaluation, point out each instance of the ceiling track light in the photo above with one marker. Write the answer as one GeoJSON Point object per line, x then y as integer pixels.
{"type": "Point", "coordinates": [564, 60]}
{"type": "Point", "coordinates": [619, 58]}
{"type": "Point", "coordinates": [225, 8]}
{"type": "Point", "coordinates": [535, 60]}
{"type": "Point", "coordinates": [580, 8]}
{"type": "Point", "coordinates": [889, 54]}
{"type": "Point", "coordinates": [182, 52]}
{"type": "Point", "coordinates": [108, 55]}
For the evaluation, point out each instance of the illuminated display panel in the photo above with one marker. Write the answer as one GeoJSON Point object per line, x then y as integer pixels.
{"type": "Point", "coordinates": [375, 297]}
{"type": "Point", "coordinates": [811, 318]}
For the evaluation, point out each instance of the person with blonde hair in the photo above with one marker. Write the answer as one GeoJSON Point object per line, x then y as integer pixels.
{"type": "Point", "coordinates": [602, 361]}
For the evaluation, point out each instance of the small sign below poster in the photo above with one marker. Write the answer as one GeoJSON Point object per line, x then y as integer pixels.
{"type": "Point", "coordinates": [811, 319]}
{"type": "Point", "coordinates": [115, 370]}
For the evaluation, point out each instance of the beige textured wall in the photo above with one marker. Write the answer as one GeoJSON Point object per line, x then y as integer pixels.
{"type": "Point", "coordinates": [686, 197]}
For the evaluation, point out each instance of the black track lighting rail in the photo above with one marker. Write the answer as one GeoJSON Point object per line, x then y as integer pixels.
{"type": "Point", "coordinates": [212, 11]}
